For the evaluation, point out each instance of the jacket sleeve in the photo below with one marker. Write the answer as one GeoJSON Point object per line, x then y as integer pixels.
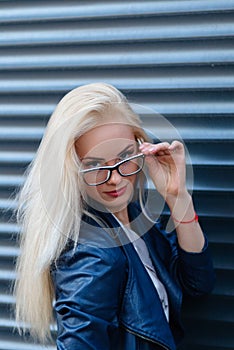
{"type": "Point", "coordinates": [89, 283]}
{"type": "Point", "coordinates": [194, 272]}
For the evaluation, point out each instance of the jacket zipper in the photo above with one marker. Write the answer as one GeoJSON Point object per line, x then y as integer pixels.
{"type": "Point", "coordinates": [146, 338]}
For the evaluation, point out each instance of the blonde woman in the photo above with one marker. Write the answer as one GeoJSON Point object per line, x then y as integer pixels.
{"type": "Point", "coordinates": [88, 247]}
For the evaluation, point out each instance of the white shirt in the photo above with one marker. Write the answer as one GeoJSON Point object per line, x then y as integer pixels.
{"type": "Point", "coordinates": [143, 254]}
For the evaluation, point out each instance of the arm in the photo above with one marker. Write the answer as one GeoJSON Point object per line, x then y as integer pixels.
{"type": "Point", "coordinates": [166, 165]}
{"type": "Point", "coordinates": [191, 264]}
{"type": "Point", "coordinates": [88, 285]}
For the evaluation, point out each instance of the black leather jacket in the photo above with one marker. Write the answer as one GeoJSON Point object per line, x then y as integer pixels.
{"type": "Point", "coordinates": [105, 299]}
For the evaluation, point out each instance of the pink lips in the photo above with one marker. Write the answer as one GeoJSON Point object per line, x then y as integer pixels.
{"type": "Point", "coordinates": [116, 193]}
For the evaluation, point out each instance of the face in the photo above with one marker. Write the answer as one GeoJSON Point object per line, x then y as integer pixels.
{"type": "Point", "coordinates": [103, 146]}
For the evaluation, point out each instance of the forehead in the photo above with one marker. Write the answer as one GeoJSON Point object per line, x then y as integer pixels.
{"type": "Point", "coordinates": [105, 140]}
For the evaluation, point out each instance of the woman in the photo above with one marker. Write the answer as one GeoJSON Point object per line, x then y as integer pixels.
{"type": "Point", "coordinates": [87, 241]}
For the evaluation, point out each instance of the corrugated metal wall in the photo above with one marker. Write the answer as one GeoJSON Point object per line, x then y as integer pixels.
{"type": "Point", "coordinates": [175, 56]}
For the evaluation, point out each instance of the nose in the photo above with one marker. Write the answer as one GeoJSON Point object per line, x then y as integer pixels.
{"type": "Point", "coordinates": [115, 178]}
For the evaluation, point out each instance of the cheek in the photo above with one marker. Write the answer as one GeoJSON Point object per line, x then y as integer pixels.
{"type": "Point", "coordinates": [132, 178]}
{"type": "Point", "coordinates": [93, 191]}
{"type": "Point", "coordinates": [132, 183]}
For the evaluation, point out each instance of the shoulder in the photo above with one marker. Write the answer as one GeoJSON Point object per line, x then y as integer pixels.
{"type": "Point", "coordinates": [95, 249]}
{"type": "Point", "coordinates": [89, 281]}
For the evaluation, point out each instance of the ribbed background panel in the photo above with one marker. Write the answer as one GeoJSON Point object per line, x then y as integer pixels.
{"type": "Point", "coordinates": [174, 56]}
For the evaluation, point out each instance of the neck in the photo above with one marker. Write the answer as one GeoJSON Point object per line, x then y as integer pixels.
{"type": "Point", "coordinates": [122, 216]}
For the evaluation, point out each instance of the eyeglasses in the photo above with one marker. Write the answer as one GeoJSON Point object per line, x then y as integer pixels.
{"type": "Point", "coordinates": [100, 175]}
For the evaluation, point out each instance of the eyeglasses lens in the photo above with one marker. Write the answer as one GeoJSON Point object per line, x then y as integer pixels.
{"type": "Point", "coordinates": [96, 177]}
{"type": "Point", "coordinates": [127, 168]}
{"type": "Point", "coordinates": [131, 167]}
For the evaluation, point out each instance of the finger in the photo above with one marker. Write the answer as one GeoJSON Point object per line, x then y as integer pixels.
{"type": "Point", "coordinates": [176, 146]}
{"type": "Point", "coordinates": [154, 149]}
{"type": "Point", "coordinates": [163, 153]}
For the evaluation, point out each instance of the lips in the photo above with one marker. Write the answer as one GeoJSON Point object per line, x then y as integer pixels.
{"type": "Point", "coordinates": [116, 193]}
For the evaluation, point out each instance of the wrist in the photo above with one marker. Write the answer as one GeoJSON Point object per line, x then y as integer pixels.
{"type": "Point", "coordinates": [182, 197]}
{"type": "Point", "coordinates": [194, 219]}
{"type": "Point", "coordinates": [182, 209]}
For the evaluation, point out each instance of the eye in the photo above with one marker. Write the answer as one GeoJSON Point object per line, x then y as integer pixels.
{"type": "Point", "coordinates": [91, 164]}
{"type": "Point", "coordinates": [126, 154]}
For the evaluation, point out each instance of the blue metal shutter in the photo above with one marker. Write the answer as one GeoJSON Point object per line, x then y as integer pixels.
{"type": "Point", "coordinates": [174, 56]}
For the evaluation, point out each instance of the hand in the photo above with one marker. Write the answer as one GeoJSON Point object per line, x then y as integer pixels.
{"type": "Point", "coordinates": [166, 164]}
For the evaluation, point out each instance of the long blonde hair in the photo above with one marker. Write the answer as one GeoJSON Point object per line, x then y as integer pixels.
{"type": "Point", "coordinates": [50, 202]}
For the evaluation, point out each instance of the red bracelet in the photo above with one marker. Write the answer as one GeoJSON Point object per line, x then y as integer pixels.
{"type": "Point", "coordinates": [187, 222]}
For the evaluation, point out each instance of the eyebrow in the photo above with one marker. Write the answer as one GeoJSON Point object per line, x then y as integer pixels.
{"type": "Point", "coordinates": [92, 158]}
{"type": "Point", "coordinates": [97, 158]}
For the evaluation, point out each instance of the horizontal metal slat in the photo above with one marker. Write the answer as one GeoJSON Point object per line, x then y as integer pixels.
{"type": "Point", "coordinates": [168, 83]}
{"type": "Point", "coordinates": [6, 299]}
{"type": "Point", "coordinates": [9, 252]}
{"type": "Point", "coordinates": [218, 230]}
{"type": "Point", "coordinates": [224, 283]}
{"type": "Point", "coordinates": [214, 308]}
{"type": "Point", "coordinates": [215, 106]}
{"type": "Point", "coordinates": [199, 160]}
{"type": "Point", "coordinates": [17, 345]}
{"type": "Point", "coordinates": [7, 275]}
{"type": "Point", "coordinates": [16, 157]}
{"type": "Point", "coordinates": [181, 28]}
{"type": "Point", "coordinates": [208, 335]}
{"type": "Point", "coordinates": [181, 53]}
{"type": "Point", "coordinates": [186, 133]}
{"type": "Point", "coordinates": [214, 204]}
{"type": "Point", "coordinates": [9, 227]}
{"type": "Point", "coordinates": [11, 180]}
{"type": "Point", "coordinates": [10, 337]}
{"type": "Point", "coordinates": [221, 260]}
{"type": "Point", "coordinates": [211, 178]}
{"type": "Point", "coordinates": [16, 133]}
{"type": "Point", "coordinates": [7, 204]}
{"type": "Point", "coordinates": [29, 109]}
{"type": "Point", "coordinates": [212, 153]}
{"type": "Point", "coordinates": [69, 10]}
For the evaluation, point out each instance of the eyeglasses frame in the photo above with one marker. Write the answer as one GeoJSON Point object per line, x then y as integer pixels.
{"type": "Point", "coordinates": [111, 168]}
